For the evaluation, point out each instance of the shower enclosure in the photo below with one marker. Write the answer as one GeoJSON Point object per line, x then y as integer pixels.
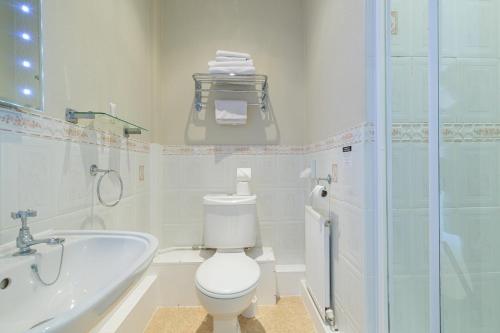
{"type": "Point", "coordinates": [443, 144]}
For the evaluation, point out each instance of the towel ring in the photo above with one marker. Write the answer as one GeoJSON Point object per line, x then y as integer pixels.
{"type": "Point", "coordinates": [94, 170]}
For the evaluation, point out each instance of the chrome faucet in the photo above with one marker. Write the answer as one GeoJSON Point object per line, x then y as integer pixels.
{"type": "Point", "coordinates": [24, 240]}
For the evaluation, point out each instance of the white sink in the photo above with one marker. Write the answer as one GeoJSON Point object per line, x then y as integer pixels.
{"type": "Point", "coordinates": [98, 267]}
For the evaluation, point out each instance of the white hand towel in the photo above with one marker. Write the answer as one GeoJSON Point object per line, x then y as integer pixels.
{"type": "Point", "coordinates": [224, 59]}
{"type": "Point", "coordinates": [230, 63]}
{"type": "Point", "coordinates": [232, 70]}
{"type": "Point", "coordinates": [223, 53]}
{"type": "Point", "coordinates": [230, 112]}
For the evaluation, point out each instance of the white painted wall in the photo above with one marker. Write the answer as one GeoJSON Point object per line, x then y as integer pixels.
{"type": "Point", "coordinates": [98, 52]}
{"type": "Point", "coordinates": [335, 66]}
{"type": "Point", "coordinates": [191, 31]}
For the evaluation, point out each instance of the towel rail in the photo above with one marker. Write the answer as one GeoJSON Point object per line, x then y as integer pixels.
{"type": "Point", "coordinates": [231, 90]}
{"type": "Point", "coordinates": [211, 83]}
{"type": "Point", "coordinates": [203, 105]}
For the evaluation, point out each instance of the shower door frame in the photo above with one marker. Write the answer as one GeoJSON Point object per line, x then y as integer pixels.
{"type": "Point", "coordinates": [384, 151]}
{"type": "Point", "coordinates": [434, 173]}
{"type": "Point", "coordinates": [381, 110]}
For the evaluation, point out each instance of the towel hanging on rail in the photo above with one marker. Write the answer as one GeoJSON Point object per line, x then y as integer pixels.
{"type": "Point", "coordinates": [230, 112]}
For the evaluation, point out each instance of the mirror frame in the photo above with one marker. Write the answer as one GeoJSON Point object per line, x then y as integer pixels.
{"type": "Point", "coordinates": [13, 106]}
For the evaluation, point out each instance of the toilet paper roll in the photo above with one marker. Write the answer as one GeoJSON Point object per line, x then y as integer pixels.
{"type": "Point", "coordinates": [243, 174]}
{"type": "Point", "coordinates": [318, 192]}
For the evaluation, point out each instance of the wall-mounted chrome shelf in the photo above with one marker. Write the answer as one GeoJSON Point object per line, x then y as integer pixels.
{"type": "Point", "coordinates": [205, 84]}
{"type": "Point", "coordinates": [129, 128]}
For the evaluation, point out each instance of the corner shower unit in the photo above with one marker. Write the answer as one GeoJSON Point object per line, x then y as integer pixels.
{"type": "Point", "coordinates": [443, 129]}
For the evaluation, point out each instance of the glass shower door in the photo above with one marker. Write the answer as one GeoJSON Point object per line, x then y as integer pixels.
{"type": "Point", "coordinates": [408, 214]}
{"type": "Point", "coordinates": [469, 116]}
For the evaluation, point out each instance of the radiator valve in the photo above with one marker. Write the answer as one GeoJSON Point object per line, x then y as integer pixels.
{"type": "Point", "coordinates": [330, 317]}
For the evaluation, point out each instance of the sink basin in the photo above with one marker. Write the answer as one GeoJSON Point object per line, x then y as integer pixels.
{"type": "Point", "coordinates": [98, 267]}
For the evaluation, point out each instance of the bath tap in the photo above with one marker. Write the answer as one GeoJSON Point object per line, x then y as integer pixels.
{"type": "Point", "coordinates": [25, 240]}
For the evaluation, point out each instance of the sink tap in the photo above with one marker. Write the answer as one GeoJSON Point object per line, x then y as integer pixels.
{"type": "Point", "coordinates": [25, 240]}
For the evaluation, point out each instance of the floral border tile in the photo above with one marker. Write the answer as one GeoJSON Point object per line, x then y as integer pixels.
{"type": "Point", "coordinates": [358, 134]}
{"type": "Point", "coordinates": [467, 132]}
{"type": "Point", "coordinates": [50, 128]}
{"type": "Point", "coordinates": [410, 132]}
{"type": "Point", "coordinates": [450, 132]}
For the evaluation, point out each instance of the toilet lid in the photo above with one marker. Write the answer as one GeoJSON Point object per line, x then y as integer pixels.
{"type": "Point", "coordinates": [227, 274]}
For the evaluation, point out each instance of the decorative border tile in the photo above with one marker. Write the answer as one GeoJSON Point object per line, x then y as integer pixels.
{"type": "Point", "coordinates": [42, 126]}
{"type": "Point", "coordinates": [359, 134]}
{"type": "Point", "coordinates": [450, 132]}
{"type": "Point", "coordinates": [466, 132]}
{"type": "Point", "coordinates": [410, 132]}
{"type": "Point", "coordinates": [50, 128]}
{"type": "Point", "coordinates": [232, 150]}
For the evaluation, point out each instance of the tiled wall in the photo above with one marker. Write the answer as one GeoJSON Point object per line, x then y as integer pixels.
{"type": "Point", "coordinates": [44, 165]}
{"type": "Point", "coordinates": [469, 157]}
{"type": "Point", "coordinates": [351, 209]}
{"type": "Point", "coordinates": [195, 172]}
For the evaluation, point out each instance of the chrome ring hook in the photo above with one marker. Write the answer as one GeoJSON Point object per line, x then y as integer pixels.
{"type": "Point", "coordinates": [94, 170]}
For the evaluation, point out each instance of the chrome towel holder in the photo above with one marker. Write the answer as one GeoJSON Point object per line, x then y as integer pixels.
{"type": "Point", "coordinates": [239, 85]}
{"type": "Point", "coordinates": [94, 170]}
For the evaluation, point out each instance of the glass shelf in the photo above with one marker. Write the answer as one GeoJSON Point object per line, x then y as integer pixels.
{"type": "Point", "coordinates": [106, 119]}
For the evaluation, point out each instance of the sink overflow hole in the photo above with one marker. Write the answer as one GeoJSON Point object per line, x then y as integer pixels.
{"type": "Point", "coordinates": [4, 283]}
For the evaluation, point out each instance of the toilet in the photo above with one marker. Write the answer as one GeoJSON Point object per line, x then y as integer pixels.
{"type": "Point", "coordinates": [226, 282]}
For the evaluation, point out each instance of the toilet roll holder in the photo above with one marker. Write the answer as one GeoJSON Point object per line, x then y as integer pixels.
{"type": "Point", "coordinates": [327, 179]}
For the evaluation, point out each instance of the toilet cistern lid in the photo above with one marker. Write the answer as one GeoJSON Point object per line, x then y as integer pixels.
{"type": "Point", "coordinates": [229, 200]}
{"type": "Point", "coordinates": [227, 274]}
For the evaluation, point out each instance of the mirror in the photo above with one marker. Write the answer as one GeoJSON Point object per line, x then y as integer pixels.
{"type": "Point", "coordinates": [20, 54]}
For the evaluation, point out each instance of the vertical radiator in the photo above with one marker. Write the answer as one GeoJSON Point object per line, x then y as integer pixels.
{"type": "Point", "coordinates": [317, 232]}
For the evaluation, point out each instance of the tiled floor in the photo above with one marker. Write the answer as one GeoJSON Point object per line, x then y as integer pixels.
{"type": "Point", "coordinates": [289, 316]}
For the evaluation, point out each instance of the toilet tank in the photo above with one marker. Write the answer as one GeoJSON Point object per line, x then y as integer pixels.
{"type": "Point", "coordinates": [230, 221]}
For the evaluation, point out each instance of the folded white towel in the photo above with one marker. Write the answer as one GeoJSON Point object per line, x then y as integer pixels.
{"type": "Point", "coordinates": [232, 70]}
{"type": "Point", "coordinates": [224, 59]}
{"type": "Point", "coordinates": [230, 63]}
{"type": "Point", "coordinates": [230, 112]}
{"type": "Point", "coordinates": [223, 53]}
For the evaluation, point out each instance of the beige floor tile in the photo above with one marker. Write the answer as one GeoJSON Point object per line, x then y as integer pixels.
{"type": "Point", "coordinates": [288, 316]}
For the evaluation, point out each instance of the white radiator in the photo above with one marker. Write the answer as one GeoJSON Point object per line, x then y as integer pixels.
{"type": "Point", "coordinates": [317, 241]}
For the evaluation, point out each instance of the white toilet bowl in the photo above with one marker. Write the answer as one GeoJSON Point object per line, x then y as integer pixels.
{"type": "Point", "coordinates": [226, 284]}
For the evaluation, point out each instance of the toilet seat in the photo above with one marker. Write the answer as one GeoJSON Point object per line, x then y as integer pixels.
{"type": "Point", "coordinates": [227, 275]}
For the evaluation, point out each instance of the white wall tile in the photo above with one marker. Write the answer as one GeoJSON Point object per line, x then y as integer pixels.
{"type": "Point", "coordinates": [27, 168]}
{"type": "Point", "coordinates": [478, 90]}
{"type": "Point", "coordinates": [275, 180]}
{"type": "Point", "coordinates": [409, 304]}
{"type": "Point", "coordinates": [183, 234]}
{"type": "Point", "coordinates": [73, 181]}
{"type": "Point", "coordinates": [288, 243]}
